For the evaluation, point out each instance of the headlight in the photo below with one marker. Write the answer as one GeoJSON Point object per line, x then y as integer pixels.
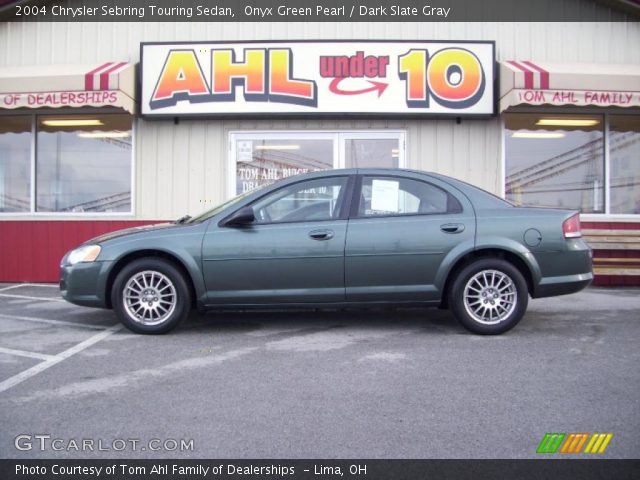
{"type": "Point", "coordinates": [88, 253]}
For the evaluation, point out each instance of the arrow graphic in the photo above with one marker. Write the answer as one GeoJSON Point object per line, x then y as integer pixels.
{"type": "Point", "coordinates": [379, 86]}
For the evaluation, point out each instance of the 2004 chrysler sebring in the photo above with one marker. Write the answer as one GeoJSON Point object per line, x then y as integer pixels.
{"type": "Point", "coordinates": [338, 238]}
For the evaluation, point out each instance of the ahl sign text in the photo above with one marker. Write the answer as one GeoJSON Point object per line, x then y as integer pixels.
{"type": "Point", "coordinates": [366, 78]}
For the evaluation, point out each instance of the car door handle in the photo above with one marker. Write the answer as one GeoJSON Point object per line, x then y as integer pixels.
{"type": "Point", "coordinates": [452, 227]}
{"type": "Point", "coordinates": [323, 234]}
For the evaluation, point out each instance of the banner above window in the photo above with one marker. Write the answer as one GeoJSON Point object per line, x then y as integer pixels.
{"type": "Point", "coordinates": [318, 78]}
{"type": "Point", "coordinates": [598, 85]}
{"type": "Point", "coordinates": [110, 84]}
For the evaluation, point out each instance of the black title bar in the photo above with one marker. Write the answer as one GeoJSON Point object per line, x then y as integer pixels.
{"type": "Point", "coordinates": [121, 469]}
{"type": "Point", "coordinates": [320, 10]}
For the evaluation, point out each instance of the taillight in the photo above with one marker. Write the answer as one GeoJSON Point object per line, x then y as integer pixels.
{"type": "Point", "coordinates": [571, 227]}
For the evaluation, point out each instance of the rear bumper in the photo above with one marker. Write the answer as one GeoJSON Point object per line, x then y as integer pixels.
{"type": "Point", "coordinates": [566, 271]}
{"type": "Point", "coordinates": [84, 283]}
{"type": "Point", "coordinates": [552, 286]}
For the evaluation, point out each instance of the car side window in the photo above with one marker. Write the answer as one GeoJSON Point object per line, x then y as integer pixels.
{"type": "Point", "coordinates": [311, 200]}
{"type": "Point", "coordinates": [384, 196]}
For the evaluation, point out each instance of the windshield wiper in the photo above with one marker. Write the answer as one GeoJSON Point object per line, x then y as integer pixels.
{"type": "Point", "coordinates": [183, 219]}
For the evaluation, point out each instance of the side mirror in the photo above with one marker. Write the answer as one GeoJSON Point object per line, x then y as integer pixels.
{"type": "Point", "coordinates": [242, 217]}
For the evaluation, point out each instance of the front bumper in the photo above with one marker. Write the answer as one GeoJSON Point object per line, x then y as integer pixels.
{"type": "Point", "coordinates": [85, 283]}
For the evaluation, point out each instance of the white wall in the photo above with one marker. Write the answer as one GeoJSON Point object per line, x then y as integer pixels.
{"type": "Point", "coordinates": [32, 43]}
{"type": "Point", "coordinates": [178, 166]}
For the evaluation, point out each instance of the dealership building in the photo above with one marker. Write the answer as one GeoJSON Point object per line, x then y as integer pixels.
{"type": "Point", "coordinates": [111, 125]}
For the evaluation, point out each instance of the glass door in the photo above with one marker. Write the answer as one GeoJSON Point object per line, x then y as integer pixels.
{"type": "Point", "coordinates": [261, 158]}
{"type": "Point", "coordinates": [372, 149]}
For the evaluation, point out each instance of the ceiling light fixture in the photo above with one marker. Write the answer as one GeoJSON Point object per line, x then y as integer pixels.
{"type": "Point", "coordinates": [75, 122]}
{"type": "Point", "coordinates": [568, 122]}
{"type": "Point", "coordinates": [114, 134]}
{"type": "Point", "coordinates": [538, 135]}
{"type": "Point", "coordinates": [277, 147]}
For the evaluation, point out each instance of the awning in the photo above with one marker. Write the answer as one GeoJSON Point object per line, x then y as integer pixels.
{"type": "Point", "coordinates": [527, 83]}
{"type": "Point", "coordinates": [108, 84]}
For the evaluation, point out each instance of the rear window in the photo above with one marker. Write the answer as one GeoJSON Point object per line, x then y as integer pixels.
{"type": "Point", "coordinates": [403, 196]}
{"type": "Point", "coordinates": [481, 198]}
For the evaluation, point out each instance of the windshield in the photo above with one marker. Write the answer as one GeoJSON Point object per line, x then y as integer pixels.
{"type": "Point", "coordinates": [215, 210]}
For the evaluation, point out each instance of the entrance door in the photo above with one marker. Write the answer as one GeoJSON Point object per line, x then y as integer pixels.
{"type": "Point", "coordinates": [372, 149]}
{"type": "Point", "coordinates": [261, 158]}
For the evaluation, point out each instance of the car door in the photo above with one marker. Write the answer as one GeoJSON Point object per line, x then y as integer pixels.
{"type": "Point", "coordinates": [399, 233]}
{"type": "Point", "coordinates": [292, 253]}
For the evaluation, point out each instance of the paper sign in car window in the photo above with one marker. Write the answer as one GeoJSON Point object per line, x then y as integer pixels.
{"type": "Point", "coordinates": [384, 196]}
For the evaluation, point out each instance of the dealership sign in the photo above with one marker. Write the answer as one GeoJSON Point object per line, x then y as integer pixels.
{"type": "Point", "coordinates": [109, 84]}
{"type": "Point", "coordinates": [523, 82]}
{"type": "Point", "coordinates": [440, 78]}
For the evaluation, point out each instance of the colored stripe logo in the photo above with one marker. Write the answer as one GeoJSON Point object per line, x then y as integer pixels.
{"type": "Point", "coordinates": [598, 443]}
{"type": "Point", "coordinates": [550, 443]}
{"type": "Point", "coordinates": [573, 442]}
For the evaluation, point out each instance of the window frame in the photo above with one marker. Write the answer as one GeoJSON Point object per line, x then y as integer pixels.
{"type": "Point", "coordinates": [606, 114]}
{"type": "Point", "coordinates": [32, 212]}
{"type": "Point", "coordinates": [355, 202]}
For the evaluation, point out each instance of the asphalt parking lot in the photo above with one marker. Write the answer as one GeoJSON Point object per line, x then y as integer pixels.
{"type": "Point", "coordinates": [332, 384]}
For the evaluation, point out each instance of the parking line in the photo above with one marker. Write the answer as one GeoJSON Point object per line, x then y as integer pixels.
{"type": "Point", "coordinates": [53, 322]}
{"type": "Point", "coordinates": [24, 353]}
{"type": "Point", "coordinates": [12, 286]}
{"type": "Point", "coordinates": [18, 285]}
{"type": "Point", "coordinates": [22, 376]}
{"type": "Point", "coordinates": [28, 297]}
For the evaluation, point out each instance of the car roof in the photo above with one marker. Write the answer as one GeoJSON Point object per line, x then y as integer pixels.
{"type": "Point", "coordinates": [357, 171]}
{"type": "Point", "coordinates": [336, 172]}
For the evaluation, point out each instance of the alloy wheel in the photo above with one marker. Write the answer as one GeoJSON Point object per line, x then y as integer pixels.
{"type": "Point", "coordinates": [149, 297]}
{"type": "Point", "coordinates": [490, 297]}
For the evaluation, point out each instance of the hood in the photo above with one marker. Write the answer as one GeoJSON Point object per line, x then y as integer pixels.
{"type": "Point", "coordinates": [130, 231]}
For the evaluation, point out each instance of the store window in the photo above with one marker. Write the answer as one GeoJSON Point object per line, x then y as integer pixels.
{"type": "Point", "coordinates": [66, 163]}
{"type": "Point", "coordinates": [84, 164]}
{"type": "Point", "coordinates": [15, 163]}
{"type": "Point", "coordinates": [586, 162]}
{"type": "Point", "coordinates": [624, 141]}
{"type": "Point", "coordinates": [261, 158]}
{"type": "Point", "coordinates": [555, 160]}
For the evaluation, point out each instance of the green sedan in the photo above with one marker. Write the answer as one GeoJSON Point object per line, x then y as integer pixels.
{"type": "Point", "coordinates": [334, 239]}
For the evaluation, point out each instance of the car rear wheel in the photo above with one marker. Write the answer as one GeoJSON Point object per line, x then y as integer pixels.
{"type": "Point", "coordinates": [150, 296]}
{"type": "Point", "coordinates": [489, 296]}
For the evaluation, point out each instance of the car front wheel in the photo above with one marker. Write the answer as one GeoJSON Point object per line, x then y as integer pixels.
{"type": "Point", "coordinates": [489, 296]}
{"type": "Point", "coordinates": [150, 296]}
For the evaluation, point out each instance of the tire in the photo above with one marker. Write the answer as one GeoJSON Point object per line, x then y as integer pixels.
{"type": "Point", "coordinates": [167, 298]}
{"type": "Point", "coordinates": [479, 284]}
